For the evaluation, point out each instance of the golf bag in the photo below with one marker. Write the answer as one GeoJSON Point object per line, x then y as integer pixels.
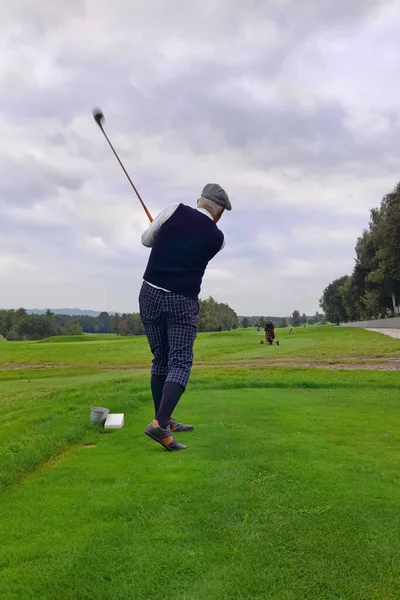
{"type": "Point", "coordinates": [269, 332]}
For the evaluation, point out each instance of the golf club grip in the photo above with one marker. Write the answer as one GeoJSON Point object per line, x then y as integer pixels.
{"type": "Point", "coordinates": [129, 179]}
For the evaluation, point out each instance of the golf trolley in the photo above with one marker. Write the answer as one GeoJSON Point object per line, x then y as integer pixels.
{"type": "Point", "coordinates": [269, 334]}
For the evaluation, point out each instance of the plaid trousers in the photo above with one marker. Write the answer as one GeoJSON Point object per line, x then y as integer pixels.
{"type": "Point", "coordinates": [170, 323]}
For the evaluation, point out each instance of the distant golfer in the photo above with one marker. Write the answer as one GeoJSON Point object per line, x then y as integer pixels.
{"type": "Point", "coordinates": [183, 241]}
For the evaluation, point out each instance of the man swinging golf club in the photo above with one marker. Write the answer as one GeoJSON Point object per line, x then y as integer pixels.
{"type": "Point", "coordinates": [183, 241]}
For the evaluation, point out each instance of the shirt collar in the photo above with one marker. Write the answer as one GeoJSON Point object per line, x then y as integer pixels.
{"type": "Point", "coordinates": [205, 212]}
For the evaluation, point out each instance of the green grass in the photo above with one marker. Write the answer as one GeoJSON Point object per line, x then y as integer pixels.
{"type": "Point", "coordinates": [319, 344]}
{"type": "Point", "coordinates": [288, 490]}
{"type": "Point", "coordinates": [86, 337]}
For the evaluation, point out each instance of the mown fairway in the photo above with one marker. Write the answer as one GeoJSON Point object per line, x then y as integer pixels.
{"type": "Point", "coordinates": [289, 489]}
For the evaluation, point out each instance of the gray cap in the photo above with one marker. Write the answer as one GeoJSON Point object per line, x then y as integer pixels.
{"type": "Point", "coordinates": [215, 193]}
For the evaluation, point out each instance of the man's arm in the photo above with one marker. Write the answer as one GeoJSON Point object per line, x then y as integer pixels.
{"type": "Point", "coordinates": [150, 234]}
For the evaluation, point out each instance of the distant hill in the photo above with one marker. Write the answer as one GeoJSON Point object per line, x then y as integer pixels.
{"type": "Point", "coordinates": [73, 312]}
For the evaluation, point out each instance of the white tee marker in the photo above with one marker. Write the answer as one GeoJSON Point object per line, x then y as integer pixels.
{"type": "Point", "coordinates": [114, 421]}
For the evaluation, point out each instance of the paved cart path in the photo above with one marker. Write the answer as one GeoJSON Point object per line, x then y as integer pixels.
{"type": "Point", "coordinates": [392, 332]}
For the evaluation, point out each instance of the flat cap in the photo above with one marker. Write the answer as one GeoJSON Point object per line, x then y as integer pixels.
{"type": "Point", "coordinates": [215, 193]}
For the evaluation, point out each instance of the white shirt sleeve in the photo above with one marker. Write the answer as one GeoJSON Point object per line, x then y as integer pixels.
{"type": "Point", "coordinates": [150, 234]}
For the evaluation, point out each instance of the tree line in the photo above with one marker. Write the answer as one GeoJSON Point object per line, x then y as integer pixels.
{"type": "Point", "coordinates": [294, 320]}
{"type": "Point", "coordinates": [17, 325]}
{"type": "Point", "coordinates": [373, 288]}
{"type": "Point", "coordinates": [216, 316]}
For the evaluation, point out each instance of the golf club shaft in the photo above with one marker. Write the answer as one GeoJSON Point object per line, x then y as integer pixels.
{"type": "Point", "coordinates": [125, 171]}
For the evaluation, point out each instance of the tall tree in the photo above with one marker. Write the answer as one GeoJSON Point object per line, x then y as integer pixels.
{"type": "Point", "coordinates": [74, 328]}
{"type": "Point", "coordinates": [105, 322]}
{"type": "Point", "coordinates": [295, 318]}
{"type": "Point", "coordinates": [332, 301]}
{"type": "Point", "coordinates": [385, 232]}
{"type": "Point", "coordinates": [115, 323]}
{"type": "Point", "coordinates": [208, 315]}
{"type": "Point", "coordinates": [136, 324]}
{"type": "Point", "coordinates": [226, 317]}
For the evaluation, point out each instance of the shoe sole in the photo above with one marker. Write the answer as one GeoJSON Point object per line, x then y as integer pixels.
{"type": "Point", "coordinates": [148, 433]}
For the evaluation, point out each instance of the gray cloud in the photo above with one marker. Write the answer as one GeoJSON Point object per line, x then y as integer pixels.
{"type": "Point", "coordinates": [28, 179]}
{"type": "Point", "coordinates": [291, 106]}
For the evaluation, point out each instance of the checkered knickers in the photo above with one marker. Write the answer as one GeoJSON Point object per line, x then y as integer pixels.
{"type": "Point", "coordinates": [170, 322]}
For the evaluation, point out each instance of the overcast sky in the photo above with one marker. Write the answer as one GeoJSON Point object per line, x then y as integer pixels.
{"type": "Point", "coordinates": [293, 107]}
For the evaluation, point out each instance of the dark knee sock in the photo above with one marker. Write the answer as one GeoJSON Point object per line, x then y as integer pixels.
{"type": "Point", "coordinates": [170, 398]}
{"type": "Point", "coordinates": [157, 385]}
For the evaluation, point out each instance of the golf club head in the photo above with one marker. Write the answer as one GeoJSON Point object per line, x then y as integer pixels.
{"type": "Point", "coordinates": [98, 116]}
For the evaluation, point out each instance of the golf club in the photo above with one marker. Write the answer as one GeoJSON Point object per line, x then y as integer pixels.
{"type": "Point", "coordinates": [99, 118]}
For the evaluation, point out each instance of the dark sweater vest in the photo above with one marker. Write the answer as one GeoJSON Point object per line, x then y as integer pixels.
{"type": "Point", "coordinates": [183, 247]}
